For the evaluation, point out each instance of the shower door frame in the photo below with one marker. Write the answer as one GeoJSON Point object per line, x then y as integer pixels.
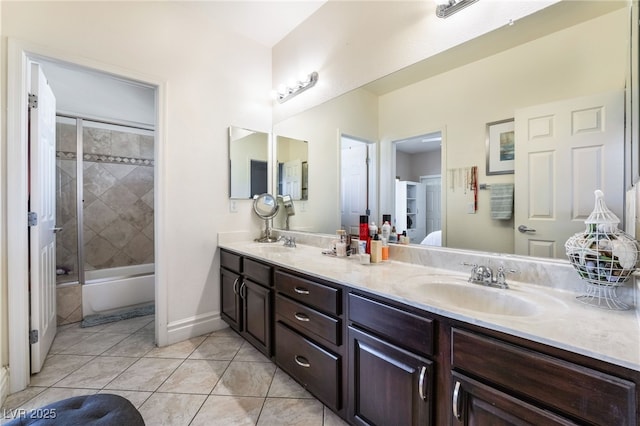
{"type": "Point", "coordinates": [18, 55]}
{"type": "Point", "coordinates": [79, 123]}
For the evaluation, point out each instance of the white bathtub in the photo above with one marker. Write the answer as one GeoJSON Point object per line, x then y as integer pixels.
{"type": "Point", "coordinates": [113, 289]}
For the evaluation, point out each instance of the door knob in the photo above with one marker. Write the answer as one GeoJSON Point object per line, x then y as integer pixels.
{"type": "Point", "coordinates": [524, 229]}
{"type": "Point", "coordinates": [56, 230]}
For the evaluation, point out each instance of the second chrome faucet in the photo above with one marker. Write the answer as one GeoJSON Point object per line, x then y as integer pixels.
{"type": "Point", "coordinates": [484, 275]}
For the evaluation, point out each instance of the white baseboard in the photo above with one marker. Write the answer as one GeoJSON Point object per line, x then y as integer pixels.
{"type": "Point", "coordinates": [4, 384]}
{"type": "Point", "coordinates": [198, 325]}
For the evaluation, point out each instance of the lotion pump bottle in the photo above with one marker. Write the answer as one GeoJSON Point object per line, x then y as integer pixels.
{"type": "Point", "coordinates": [376, 249]}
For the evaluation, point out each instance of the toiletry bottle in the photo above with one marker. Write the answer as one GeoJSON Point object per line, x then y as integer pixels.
{"type": "Point", "coordinates": [341, 243]}
{"type": "Point", "coordinates": [364, 230]}
{"type": "Point", "coordinates": [373, 230]}
{"type": "Point", "coordinates": [386, 230]}
{"type": "Point", "coordinates": [385, 249]}
{"type": "Point", "coordinates": [376, 249]}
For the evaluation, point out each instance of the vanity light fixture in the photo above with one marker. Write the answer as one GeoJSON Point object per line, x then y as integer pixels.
{"type": "Point", "coordinates": [285, 93]}
{"type": "Point", "coordinates": [446, 8]}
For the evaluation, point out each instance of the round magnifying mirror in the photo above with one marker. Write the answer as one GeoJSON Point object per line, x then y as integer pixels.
{"type": "Point", "coordinates": [266, 206]}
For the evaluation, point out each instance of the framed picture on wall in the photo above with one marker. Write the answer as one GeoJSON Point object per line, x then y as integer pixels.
{"type": "Point", "coordinates": [500, 147]}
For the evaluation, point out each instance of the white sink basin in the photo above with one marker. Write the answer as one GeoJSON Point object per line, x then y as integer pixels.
{"type": "Point", "coordinates": [266, 248]}
{"type": "Point", "coordinates": [473, 297]}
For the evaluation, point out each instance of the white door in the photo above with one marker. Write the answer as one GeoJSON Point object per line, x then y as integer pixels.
{"type": "Point", "coordinates": [353, 174]}
{"type": "Point", "coordinates": [565, 151]}
{"type": "Point", "coordinates": [42, 202]}
{"type": "Point", "coordinates": [434, 195]}
{"type": "Point", "coordinates": [292, 179]}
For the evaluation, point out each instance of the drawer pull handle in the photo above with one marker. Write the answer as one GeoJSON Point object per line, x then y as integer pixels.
{"type": "Point", "coordinates": [301, 317]}
{"type": "Point", "coordinates": [301, 290]}
{"type": "Point", "coordinates": [302, 361]}
{"type": "Point", "coordinates": [456, 401]}
{"type": "Point", "coordinates": [422, 384]}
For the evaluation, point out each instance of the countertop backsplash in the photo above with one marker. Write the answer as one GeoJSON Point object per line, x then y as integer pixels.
{"type": "Point", "coordinates": [557, 274]}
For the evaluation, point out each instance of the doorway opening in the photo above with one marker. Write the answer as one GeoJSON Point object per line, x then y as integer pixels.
{"type": "Point", "coordinates": [418, 196]}
{"type": "Point", "coordinates": [358, 183]}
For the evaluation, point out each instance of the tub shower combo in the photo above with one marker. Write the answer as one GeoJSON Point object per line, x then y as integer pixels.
{"type": "Point", "coordinates": [105, 193]}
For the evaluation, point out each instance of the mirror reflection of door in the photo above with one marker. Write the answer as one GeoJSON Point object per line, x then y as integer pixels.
{"type": "Point", "coordinates": [292, 160]}
{"type": "Point", "coordinates": [357, 183]}
{"type": "Point", "coordinates": [258, 177]}
{"type": "Point", "coordinates": [419, 159]}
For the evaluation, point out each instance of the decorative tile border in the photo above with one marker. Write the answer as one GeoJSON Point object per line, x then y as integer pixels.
{"type": "Point", "coordinates": [102, 158]}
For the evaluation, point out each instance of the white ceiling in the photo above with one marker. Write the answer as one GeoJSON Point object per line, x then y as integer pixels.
{"type": "Point", "coordinates": [264, 21]}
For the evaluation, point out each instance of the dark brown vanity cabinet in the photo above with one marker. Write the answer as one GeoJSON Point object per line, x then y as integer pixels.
{"type": "Point", "coordinates": [499, 383]}
{"type": "Point", "coordinates": [309, 335]}
{"type": "Point", "coordinates": [245, 294]}
{"type": "Point", "coordinates": [390, 374]}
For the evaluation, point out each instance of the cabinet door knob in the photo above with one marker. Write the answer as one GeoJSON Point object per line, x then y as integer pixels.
{"type": "Point", "coordinates": [301, 317]}
{"type": "Point", "coordinates": [301, 290]}
{"type": "Point", "coordinates": [456, 401]}
{"type": "Point", "coordinates": [423, 382]}
{"type": "Point", "coordinates": [302, 361]}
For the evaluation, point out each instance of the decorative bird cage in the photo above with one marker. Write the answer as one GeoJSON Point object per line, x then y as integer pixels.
{"type": "Point", "coordinates": [604, 257]}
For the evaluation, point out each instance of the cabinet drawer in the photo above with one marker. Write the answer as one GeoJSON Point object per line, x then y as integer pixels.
{"type": "Point", "coordinates": [308, 320]}
{"type": "Point", "coordinates": [311, 293]}
{"type": "Point", "coordinates": [587, 394]}
{"type": "Point", "coordinates": [315, 368]}
{"type": "Point", "coordinates": [231, 261]}
{"type": "Point", "coordinates": [257, 271]}
{"type": "Point", "coordinates": [403, 328]}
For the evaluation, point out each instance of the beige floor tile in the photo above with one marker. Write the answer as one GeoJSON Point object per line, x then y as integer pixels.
{"type": "Point", "coordinates": [283, 386]}
{"type": "Point", "coordinates": [248, 352]}
{"type": "Point", "coordinates": [137, 398]}
{"type": "Point", "coordinates": [57, 367]}
{"type": "Point", "coordinates": [67, 339]}
{"type": "Point", "coordinates": [96, 344]}
{"type": "Point", "coordinates": [146, 374]}
{"type": "Point", "coordinates": [97, 373]}
{"type": "Point", "coordinates": [171, 409]}
{"type": "Point", "coordinates": [291, 412]}
{"type": "Point", "coordinates": [246, 379]}
{"type": "Point", "coordinates": [219, 410]}
{"type": "Point", "coordinates": [332, 419]}
{"type": "Point", "coordinates": [225, 332]}
{"type": "Point", "coordinates": [136, 345]}
{"type": "Point", "coordinates": [128, 326]}
{"type": "Point", "coordinates": [52, 395]}
{"type": "Point", "coordinates": [178, 350]}
{"type": "Point", "coordinates": [17, 399]}
{"type": "Point", "coordinates": [218, 348]}
{"type": "Point", "coordinates": [195, 376]}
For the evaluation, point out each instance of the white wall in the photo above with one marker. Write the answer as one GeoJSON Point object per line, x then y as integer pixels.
{"type": "Point", "coordinates": [351, 43]}
{"type": "Point", "coordinates": [213, 79]}
{"type": "Point", "coordinates": [4, 346]}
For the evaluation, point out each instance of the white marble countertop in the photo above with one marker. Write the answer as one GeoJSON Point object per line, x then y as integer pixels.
{"type": "Point", "coordinates": [558, 319]}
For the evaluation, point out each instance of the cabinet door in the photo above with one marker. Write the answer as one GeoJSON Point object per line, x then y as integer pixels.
{"type": "Point", "coordinates": [257, 315]}
{"type": "Point", "coordinates": [476, 404]}
{"type": "Point", "coordinates": [387, 385]}
{"type": "Point", "coordinates": [231, 309]}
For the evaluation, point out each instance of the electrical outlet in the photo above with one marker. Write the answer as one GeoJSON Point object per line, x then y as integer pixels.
{"type": "Point", "coordinates": [233, 206]}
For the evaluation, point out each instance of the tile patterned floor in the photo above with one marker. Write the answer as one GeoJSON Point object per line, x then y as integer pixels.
{"type": "Point", "coordinates": [216, 379]}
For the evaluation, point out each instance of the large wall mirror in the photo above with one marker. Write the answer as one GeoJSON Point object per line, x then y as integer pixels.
{"type": "Point", "coordinates": [555, 55]}
{"type": "Point", "coordinates": [248, 162]}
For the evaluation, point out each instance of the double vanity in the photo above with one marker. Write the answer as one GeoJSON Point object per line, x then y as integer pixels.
{"type": "Point", "coordinates": [411, 341]}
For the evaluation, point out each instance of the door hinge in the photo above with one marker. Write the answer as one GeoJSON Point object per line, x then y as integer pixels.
{"type": "Point", "coordinates": [33, 101]}
{"type": "Point", "coordinates": [32, 218]}
{"type": "Point", "coordinates": [33, 336]}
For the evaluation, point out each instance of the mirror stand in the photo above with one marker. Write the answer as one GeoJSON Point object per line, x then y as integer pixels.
{"type": "Point", "coordinates": [266, 207]}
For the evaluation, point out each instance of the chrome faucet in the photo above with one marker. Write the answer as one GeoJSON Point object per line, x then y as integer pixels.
{"type": "Point", "coordinates": [289, 241]}
{"type": "Point", "coordinates": [484, 275]}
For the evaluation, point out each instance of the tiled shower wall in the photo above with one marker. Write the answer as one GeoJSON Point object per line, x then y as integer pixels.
{"type": "Point", "coordinates": [118, 203]}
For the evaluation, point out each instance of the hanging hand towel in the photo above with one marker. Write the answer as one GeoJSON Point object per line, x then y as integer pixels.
{"type": "Point", "coordinates": [501, 201]}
